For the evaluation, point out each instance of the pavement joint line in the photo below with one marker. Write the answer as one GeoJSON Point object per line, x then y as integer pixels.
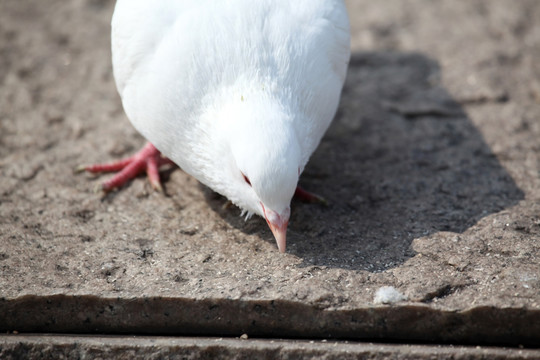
{"type": "Point", "coordinates": [218, 337]}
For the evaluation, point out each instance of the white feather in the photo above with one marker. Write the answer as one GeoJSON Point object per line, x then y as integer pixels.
{"type": "Point", "coordinates": [231, 86]}
{"type": "Point", "coordinates": [388, 295]}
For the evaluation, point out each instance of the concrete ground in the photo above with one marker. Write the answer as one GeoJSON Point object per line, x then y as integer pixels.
{"type": "Point", "coordinates": [431, 169]}
{"type": "Point", "coordinates": [144, 347]}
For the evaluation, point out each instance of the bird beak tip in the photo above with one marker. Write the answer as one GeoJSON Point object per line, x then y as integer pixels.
{"type": "Point", "coordinates": [278, 224]}
{"type": "Point", "coordinates": [281, 247]}
{"type": "Point", "coordinates": [280, 234]}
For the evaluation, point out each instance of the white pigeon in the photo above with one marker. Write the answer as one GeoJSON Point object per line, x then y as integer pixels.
{"type": "Point", "coordinates": [238, 93]}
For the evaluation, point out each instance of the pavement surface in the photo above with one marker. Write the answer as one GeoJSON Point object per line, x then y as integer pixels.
{"type": "Point", "coordinates": [143, 347]}
{"type": "Point", "coordinates": [431, 169]}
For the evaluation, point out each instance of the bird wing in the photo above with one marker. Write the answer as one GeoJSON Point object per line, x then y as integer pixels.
{"type": "Point", "coordinates": [170, 55]}
{"type": "Point", "coordinates": [138, 27]}
{"type": "Point", "coordinates": [326, 54]}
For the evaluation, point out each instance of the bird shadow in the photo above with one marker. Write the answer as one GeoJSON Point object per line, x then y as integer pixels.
{"type": "Point", "coordinates": [401, 160]}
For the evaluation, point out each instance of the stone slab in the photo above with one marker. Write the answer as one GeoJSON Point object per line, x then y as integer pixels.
{"type": "Point", "coordinates": [140, 347]}
{"type": "Point", "coordinates": [431, 168]}
{"type": "Point", "coordinates": [269, 319]}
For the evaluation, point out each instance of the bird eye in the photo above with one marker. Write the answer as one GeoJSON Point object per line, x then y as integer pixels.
{"type": "Point", "coordinates": [246, 179]}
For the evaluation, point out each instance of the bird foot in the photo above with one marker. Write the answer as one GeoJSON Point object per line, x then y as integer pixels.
{"type": "Point", "coordinates": [148, 159]}
{"type": "Point", "coordinates": [309, 197]}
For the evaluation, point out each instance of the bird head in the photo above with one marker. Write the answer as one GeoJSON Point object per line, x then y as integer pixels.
{"type": "Point", "coordinates": [265, 164]}
{"type": "Point", "coordinates": [269, 175]}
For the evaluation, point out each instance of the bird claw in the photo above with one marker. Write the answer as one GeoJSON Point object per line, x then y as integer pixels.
{"type": "Point", "coordinates": [157, 187]}
{"type": "Point", "coordinates": [98, 188]}
{"type": "Point", "coordinates": [309, 197]}
{"type": "Point", "coordinates": [227, 205]}
{"type": "Point", "coordinates": [320, 200]}
{"type": "Point", "coordinates": [79, 169]}
{"type": "Point", "coordinates": [148, 160]}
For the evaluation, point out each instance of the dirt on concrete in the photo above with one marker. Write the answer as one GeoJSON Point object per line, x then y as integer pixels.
{"type": "Point", "coordinates": [431, 169]}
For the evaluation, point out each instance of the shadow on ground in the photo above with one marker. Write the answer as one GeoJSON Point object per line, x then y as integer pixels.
{"type": "Point", "coordinates": [400, 161]}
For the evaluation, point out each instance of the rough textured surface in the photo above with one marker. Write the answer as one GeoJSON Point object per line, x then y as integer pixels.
{"type": "Point", "coordinates": [268, 318]}
{"type": "Point", "coordinates": [431, 168]}
{"type": "Point", "coordinates": [131, 347]}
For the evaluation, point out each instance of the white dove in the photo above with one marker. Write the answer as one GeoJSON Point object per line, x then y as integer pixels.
{"type": "Point", "coordinates": [238, 93]}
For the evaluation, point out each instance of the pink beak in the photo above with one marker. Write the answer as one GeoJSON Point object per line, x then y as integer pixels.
{"type": "Point", "coordinates": [278, 224]}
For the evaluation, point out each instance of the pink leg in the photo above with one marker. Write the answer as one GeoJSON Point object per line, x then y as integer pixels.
{"type": "Point", "coordinates": [148, 159]}
{"type": "Point", "coordinates": [308, 197]}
